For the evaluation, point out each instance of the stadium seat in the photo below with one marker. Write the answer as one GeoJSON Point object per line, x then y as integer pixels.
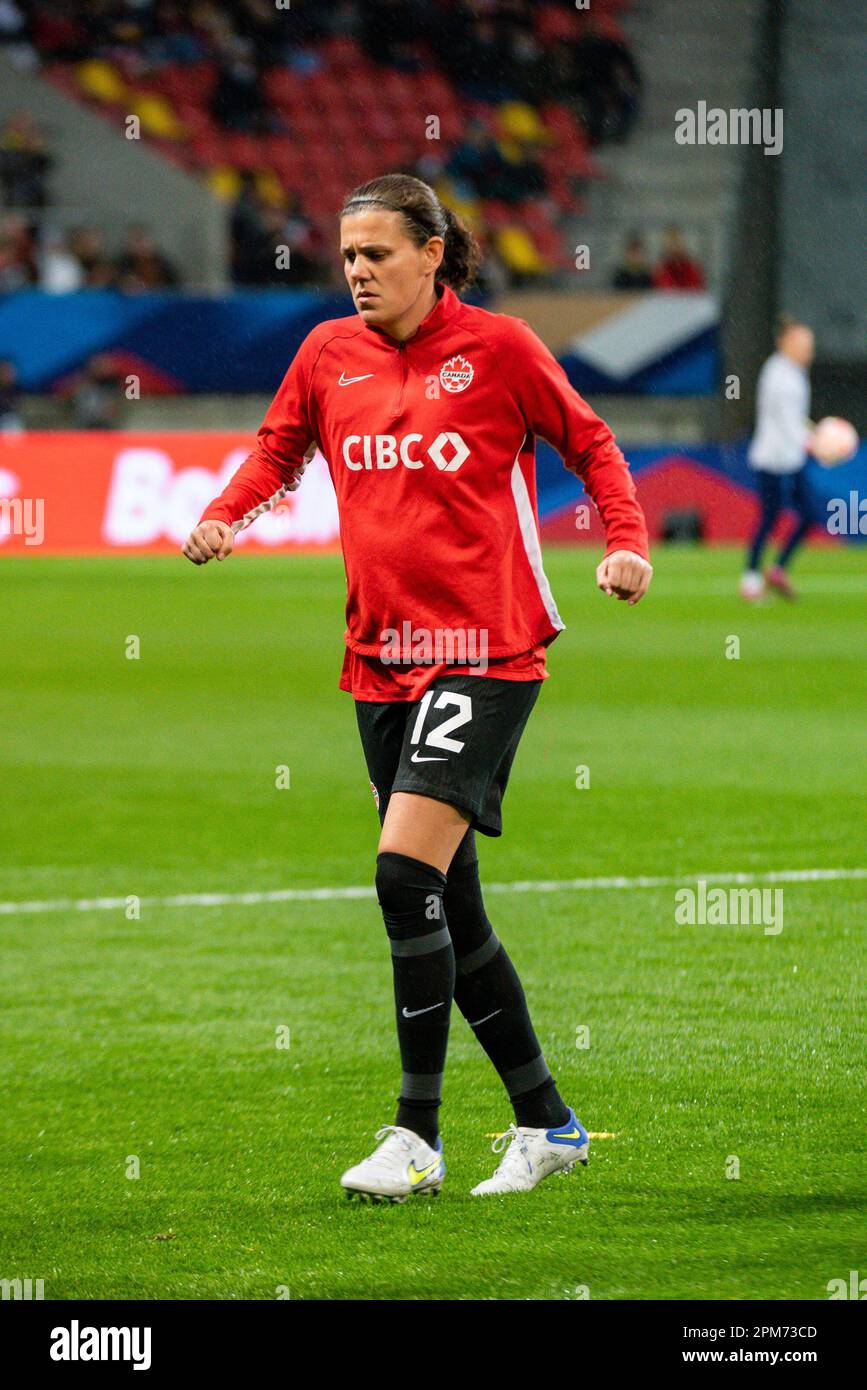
{"type": "Point", "coordinates": [156, 116]}
{"type": "Point", "coordinates": [100, 80]}
{"type": "Point", "coordinates": [188, 83]}
{"type": "Point", "coordinates": [518, 251]}
{"type": "Point", "coordinates": [225, 182]}
{"type": "Point", "coordinates": [283, 87]}
{"type": "Point", "coordinates": [341, 53]}
{"type": "Point", "coordinates": [209, 148]}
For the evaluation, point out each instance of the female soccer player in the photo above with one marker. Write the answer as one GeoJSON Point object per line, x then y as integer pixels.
{"type": "Point", "coordinates": [778, 454]}
{"type": "Point", "coordinates": [426, 410]}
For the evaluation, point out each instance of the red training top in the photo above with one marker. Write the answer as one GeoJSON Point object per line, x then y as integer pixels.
{"type": "Point", "coordinates": [430, 445]}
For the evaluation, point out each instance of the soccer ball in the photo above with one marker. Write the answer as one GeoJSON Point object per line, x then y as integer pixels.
{"type": "Point", "coordinates": [833, 441]}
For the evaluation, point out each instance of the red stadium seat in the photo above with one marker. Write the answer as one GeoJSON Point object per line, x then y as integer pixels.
{"type": "Point", "coordinates": [327, 89]}
{"type": "Point", "coordinates": [209, 149]}
{"type": "Point", "coordinates": [283, 86]}
{"type": "Point", "coordinates": [243, 151]}
{"type": "Point", "coordinates": [191, 83]}
{"type": "Point", "coordinates": [498, 214]}
{"type": "Point", "coordinates": [342, 53]}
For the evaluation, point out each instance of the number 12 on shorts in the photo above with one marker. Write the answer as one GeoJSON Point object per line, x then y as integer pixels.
{"type": "Point", "coordinates": [437, 737]}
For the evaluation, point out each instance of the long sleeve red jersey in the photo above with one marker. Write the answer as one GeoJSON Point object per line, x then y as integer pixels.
{"type": "Point", "coordinates": [431, 448]}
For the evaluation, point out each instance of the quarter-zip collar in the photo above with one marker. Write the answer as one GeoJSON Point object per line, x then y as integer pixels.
{"type": "Point", "coordinates": [442, 311]}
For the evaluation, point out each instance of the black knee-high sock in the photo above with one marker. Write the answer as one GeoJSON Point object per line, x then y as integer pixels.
{"type": "Point", "coordinates": [411, 897]}
{"type": "Point", "coordinates": [491, 998]}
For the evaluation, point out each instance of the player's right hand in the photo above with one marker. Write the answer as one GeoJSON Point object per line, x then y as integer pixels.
{"type": "Point", "coordinates": [209, 540]}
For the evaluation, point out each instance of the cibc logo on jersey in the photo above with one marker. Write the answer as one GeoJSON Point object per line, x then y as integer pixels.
{"type": "Point", "coordinates": [448, 451]}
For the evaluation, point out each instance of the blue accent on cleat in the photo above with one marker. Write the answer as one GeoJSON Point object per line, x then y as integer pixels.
{"type": "Point", "coordinates": [572, 1133]}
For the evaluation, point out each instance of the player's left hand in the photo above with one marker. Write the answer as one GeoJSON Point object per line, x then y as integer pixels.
{"type": "Point", "coordinates": [624, 574]}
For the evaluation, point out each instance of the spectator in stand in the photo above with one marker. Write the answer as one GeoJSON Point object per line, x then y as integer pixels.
{"type": "Point", "coordinates": [259, 230]}
{"type": "Point", "coordinates": [517, 23]}
{"type": "Point", "coordinates": [476, 166]}
{"type": "Point", "coordinates": [389, 29]}
{"type": "Point", "coordinates": [238, 101]}
{"type": "Point", "coordinates": [450, 36]}
{"type": "Point", "coordinates": [211, 25]}
{"type": "Point", "coordinates": [559, 72]}
{"type": "Point", "coordinates": [247, 233]}
{"type": "Point", "coordinates": [493, 277]}
{"type": "Point", "coordinates": [430, 167]}
{"type": "Point", "coordinates": [18, 267]}
{"type": "Point", "coordinates": [487, 71]}
{"type": "Point", "coordinates": [15, 35]}
{"type": "Point", "coordinates": [310, 23]}
{"type": "Point", "coordinates": [677, 270]}
{"type": "Point", "coordinates": [10, 396]}
{"type": "Point", "coordinates": [142, 266]}
{"type": "Point", "coordinates": [265, 26]}
{"type": "Point", "coordinates": [633, 272]}
{"type": "Point", "coordinates": [25, 162]}
{"type": "Point", "coordinates": [523, 175]}
{"type": "Point", "coordinates": [479, 169]}
{"type": "Point", "coordinates": [88, 246]}
{"type": "Point", "coordinates": [607, 84]}
{"type": "Point", "coordinates": [310, 259]}
{"type": "Point", "coordinates": [60, 272]}
{"type": "Point", "coordinates": [95, 396]}
{"type": "Point", "coordinates": [172, 40]}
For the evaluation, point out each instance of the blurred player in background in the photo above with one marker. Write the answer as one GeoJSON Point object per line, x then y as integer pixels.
{"type": "Point", "coordinates": [426, 410]}
{"type": "Point", "coordinates": [778, 454]}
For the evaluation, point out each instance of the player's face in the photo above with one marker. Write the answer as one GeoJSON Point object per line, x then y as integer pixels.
{"type": "Point", "coordinates": [385, 270]}
{"type": "Point", "coordinates": [799, 344]}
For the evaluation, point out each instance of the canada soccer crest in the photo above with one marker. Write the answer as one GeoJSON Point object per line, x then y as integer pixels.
{"type": "Point", "coordinates": [375, 793]}
{"type": "Point", "coordinates": [456, 374]}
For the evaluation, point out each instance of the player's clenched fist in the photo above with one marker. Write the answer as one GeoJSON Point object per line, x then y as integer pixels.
{"type": "Point", "coordinates": [625, 574]}
{"type": "Point", "coordinates": [209, 540]}
{"type": "Point", "coordinates": [213, 539]}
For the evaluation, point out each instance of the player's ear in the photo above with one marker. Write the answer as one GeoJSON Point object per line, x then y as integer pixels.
{"type": "Point", "coordinates": [434, 252]}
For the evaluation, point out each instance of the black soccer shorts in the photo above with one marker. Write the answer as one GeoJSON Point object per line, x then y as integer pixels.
{"type": "Point", "coordinates": [456, 744]}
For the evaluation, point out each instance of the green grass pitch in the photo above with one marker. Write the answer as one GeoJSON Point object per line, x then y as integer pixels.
{"type": "Point", "coordinates": [155, 1039]}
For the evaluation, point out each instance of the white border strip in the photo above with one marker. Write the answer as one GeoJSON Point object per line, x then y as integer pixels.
{"type": "Point", "coordinates": [540, 885]}
{"type": "Point", "coordinates": [532, 545]}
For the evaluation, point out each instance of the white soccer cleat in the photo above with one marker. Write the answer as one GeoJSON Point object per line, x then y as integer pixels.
{"type": "Point", "coordinates": [533, 1154]}
{"type": "Point", "coordinates": [403, 1166]}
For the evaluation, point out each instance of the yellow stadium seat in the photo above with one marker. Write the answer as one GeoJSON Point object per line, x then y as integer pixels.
{"type": "Point", "coordinates": [269, 187]}
{"type": "Point", "coordinates": [511, 150]}
{"type": "Point", "coordinates": [522, 122]}
{"type": "Point", "coordinates": [224, 182]}
{"type": "Point", "coordinates": [156, 116]}
{"type": "Point", "coordinates": [100, 80]}
{"type": "Point", "coordinates": [467, 208]}
{"type": "Point", "coordinates": [518, 251]}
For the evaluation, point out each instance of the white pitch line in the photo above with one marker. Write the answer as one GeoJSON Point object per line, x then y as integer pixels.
{"type": "Point", "coordinates": [539, 885]}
